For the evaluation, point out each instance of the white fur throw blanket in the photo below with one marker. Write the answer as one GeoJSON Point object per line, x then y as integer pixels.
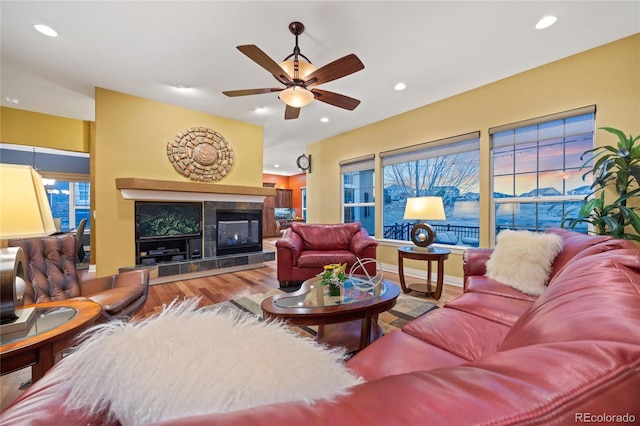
{"type": "Point", "coordinates": [185, 362]}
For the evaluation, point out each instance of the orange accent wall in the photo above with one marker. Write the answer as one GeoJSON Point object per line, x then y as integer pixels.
{"type": "Point", "coordinates": [295, 183]}
{"type": "Point", "coordinates": [282, 182]}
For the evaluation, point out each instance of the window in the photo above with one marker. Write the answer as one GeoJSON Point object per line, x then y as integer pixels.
{"type": "Point", "coordinates": [536, 169]}
{"type": "Point", "coordinates": [449, 168]}
{"type": "Point", "coordinates": [304, 203]}
{"type": "Point", "coordinates": [69, 201]}
{"type": "Point", "coordinates": [358, 203]}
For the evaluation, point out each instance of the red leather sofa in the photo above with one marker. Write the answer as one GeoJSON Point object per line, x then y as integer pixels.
{"type": "Point", "coordinates": [492, 356]}
{"type": "Point", "coordinates": [305, 248]}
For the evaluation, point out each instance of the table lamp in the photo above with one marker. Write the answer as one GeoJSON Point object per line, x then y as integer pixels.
{"type": "Point", "coordinates": [424, 208]}
{"type": "Point", "coordinates": [24, 213]}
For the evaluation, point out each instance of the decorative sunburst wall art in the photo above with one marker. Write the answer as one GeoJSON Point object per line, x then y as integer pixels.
{"type": "Point", "coordinates": [201, 154]}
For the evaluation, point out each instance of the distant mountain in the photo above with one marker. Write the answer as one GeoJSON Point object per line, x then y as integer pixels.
{"type": "Point", "coordinates": [583, 190]}
{"type": "Point", "coordinates": [542, 192]}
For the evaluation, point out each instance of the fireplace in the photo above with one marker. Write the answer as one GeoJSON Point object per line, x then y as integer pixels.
{"type": "Point", "coordinates": [238, 231]}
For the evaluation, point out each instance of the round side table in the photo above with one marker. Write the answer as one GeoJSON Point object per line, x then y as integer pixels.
{"type": "Point", "coordinates": [54, 329]}
{"type": "Point", "coordinates": [429, 255]}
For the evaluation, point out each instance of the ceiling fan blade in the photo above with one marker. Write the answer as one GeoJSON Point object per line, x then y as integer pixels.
{"type": "Point", "coordinates": [336, 99]}
{"type": "Point", "coordinates": [291, 112]}
{"type": "Point", "coordinates": [262, 59]}
{"type": "Point", "coordinates": [334, 70]}
{"type": "Point", "coordinates": [246, 92]}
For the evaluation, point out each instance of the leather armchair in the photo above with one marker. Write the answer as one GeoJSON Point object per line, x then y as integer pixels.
{"type": "Point", "coordinates": [305, 248]}
{"type": "Point", "coordinates": [52, 276]}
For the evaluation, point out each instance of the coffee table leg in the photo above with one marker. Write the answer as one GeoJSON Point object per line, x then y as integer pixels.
{"type": "Point", "coordinates": [368, 323]}
{"type": "Point", "coordinates": [365, 332]}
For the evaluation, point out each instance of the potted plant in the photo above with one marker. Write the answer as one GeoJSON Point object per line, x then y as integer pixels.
{"type": "Point", "coordinates": [616, 168]}
{"type": "Point", "coordinates": [334, 277]}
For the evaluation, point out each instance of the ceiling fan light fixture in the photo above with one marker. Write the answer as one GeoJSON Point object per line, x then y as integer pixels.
{"type": "Point", "coordinates": [296, 97]}
{"type": "Point", "coordinates": [304, 68]}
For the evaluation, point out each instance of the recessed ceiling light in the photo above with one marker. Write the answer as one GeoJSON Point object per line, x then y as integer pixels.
{"type": "Point", "coordinates": [325, 119]}
{"type": "Point", "coordinates": [11, 100]}
{"type": "Point", "coordinates": [400, 86]}
{"type": "Point", "coordinates": [48, 31]}
{"type": "Point", "coordinates": [260, 110]}
{"type": "Point", "coordinates": [546, 22]}
{"type": "Point", "coordinates": [182, 88]}
{"type": "Point", "coordinates": [276, 165]}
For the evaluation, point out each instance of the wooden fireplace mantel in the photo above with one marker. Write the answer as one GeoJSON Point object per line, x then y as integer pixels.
{"type": "Point", "coordinates": [152, 189]}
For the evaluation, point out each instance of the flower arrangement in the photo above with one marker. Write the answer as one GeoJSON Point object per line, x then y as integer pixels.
{"type": "Point", "coordinates": [333, 277]}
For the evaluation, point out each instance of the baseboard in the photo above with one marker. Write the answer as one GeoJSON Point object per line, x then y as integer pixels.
{"type": "Point", "coordinates": [419, 274]}
{"type": "Point", "coordinates": [200, 274]}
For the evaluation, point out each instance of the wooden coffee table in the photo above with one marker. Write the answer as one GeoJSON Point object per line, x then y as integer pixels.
{"type": "Point", "coordinates": [53, 330]}
{"type": "Point", "coordinates": [349, 320]}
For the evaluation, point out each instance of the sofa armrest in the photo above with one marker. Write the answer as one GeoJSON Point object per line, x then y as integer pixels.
{"type": "Point", "coordinates": [291, 243]}
{"type": "Point", "coordinates": [360, 242]}
{"type": "Point", "coordinates": [91, 286]}
{"type": "Point", "coordinates": [474, 262]}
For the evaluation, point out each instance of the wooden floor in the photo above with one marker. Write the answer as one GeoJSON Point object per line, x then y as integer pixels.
{"type": "Point", "coordinates": [211, 290]}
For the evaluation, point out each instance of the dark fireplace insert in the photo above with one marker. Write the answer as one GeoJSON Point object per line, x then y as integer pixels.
{"type": "Point", "coordinates": [238, 231]}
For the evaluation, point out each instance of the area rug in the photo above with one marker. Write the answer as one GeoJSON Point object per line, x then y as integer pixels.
{"type": "Point", "coordinates": [406, 309]}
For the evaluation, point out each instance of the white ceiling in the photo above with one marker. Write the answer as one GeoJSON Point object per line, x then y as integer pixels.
{"type": "Point", "coordinates": [145, 48]}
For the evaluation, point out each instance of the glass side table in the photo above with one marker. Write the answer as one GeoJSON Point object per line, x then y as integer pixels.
{"type": "Point", "coordinates": [54, 329]}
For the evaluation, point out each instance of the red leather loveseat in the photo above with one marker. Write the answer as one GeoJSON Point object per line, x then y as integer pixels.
{"type": "Point", "coordinates": [305, 248]}
{"type": "Point", "coordinates": [492, 356]}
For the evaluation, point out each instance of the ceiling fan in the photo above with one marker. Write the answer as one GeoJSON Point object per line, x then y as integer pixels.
{"type": "Point", "coordinates": [300, 77]}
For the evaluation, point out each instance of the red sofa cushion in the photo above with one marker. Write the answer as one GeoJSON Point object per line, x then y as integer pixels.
{"type": "Point", "coordinates": [438, 326]}
{"type": "Point", "coordinates": [400, 353]}
{"type": "Point", "coordinates": [484, 284]}
{"type": "Point", "coordinates": [569, 310]}
{"type": "Point", "coordinates": [573, 243]}
{"type": "Point", "coordinates": [326, 237]}
{"type": "Point", "coordinates": [317, 259]}
{"type": "Point", "coordinates": [503, 310]}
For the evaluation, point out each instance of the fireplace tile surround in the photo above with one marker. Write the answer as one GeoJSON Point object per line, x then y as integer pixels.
{"type": "Point", "coordinates": [209, 232]}
{"type": "Point", "coordinates": [215, 197]}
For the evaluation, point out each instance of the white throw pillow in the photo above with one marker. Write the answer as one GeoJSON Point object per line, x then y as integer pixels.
{"type": "Point", "coordinates": [185, 361]}
{"type": "Point", "coordinates": [523, 259]}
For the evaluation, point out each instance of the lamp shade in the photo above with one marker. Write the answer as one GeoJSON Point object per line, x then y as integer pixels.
{"type": "Point", "coordinates": [304, 68]}
{"type": "Point", "coordinates": [424, 208]}
{"type": "Point", "coordinates": [24, 209]}
{"type": "Point", "coordinates": [296, 97]}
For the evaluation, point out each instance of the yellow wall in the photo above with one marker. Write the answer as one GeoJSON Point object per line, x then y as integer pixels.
{"type": "Point", "coordinates": [607, 76]}
{"type": "Point", "coordinates": [22, 127]}
{"type": "Point", "coordinates": [131, 140]}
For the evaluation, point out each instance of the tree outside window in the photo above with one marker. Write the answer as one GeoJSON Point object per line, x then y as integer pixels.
{"type": "Point", "coordinates": [449, 168]}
